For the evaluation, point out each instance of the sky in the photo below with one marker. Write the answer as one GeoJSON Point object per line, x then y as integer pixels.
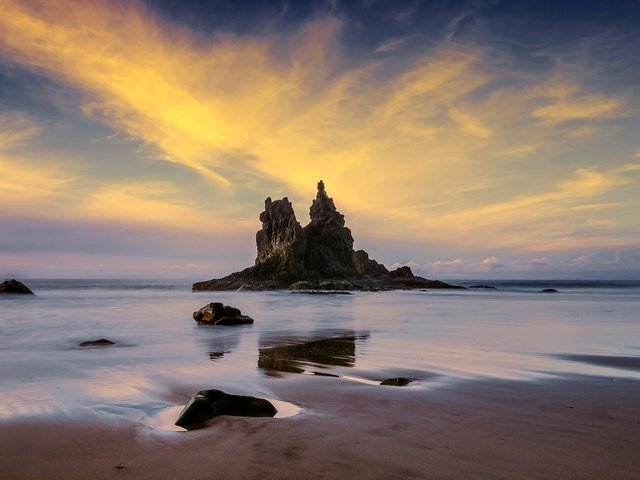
{"type": "Point", "coordinates": [482, 138]}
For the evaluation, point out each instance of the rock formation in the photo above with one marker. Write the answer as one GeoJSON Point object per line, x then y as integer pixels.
{"type": "Point", "coordinates": [319, 256]}
{"type": "Point", "coordinates": [207, 404]}
{"type": "Point", "coordinates": [219, 314]}
{"type": "Point", "coordinates": [101, 342]}
{"type": "Point", "coordinates": [329, 252]}
{"type": "Point", "coordinates": [14, 287]}
{"type": "Point", "coordinates": [281, 244]}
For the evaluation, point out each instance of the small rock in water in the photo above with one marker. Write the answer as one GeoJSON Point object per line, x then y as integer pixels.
{"type": "Point", "coordinates": [548, 290]}
{"type": "Point", "coordinates": [102, 342]}
{"type": "Point", "coordinates": [14, 287]}
{"type": "Point", "coordinates": [482, 286]}
{"type": "Point", "coordinates": [207, 404]}
{"type": "Point", "coordinates": [219, 314]}
{"type": "Point", "coordinates": [397, 381]}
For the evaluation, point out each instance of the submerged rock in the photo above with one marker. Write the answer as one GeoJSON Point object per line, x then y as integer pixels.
{"type": "Point", "coordinates": [319, 256]}
{"type": "Point", "coordinates": [102, 342]}
{"type": "Point", "coordinates": [219, 314]}
{"type": "Point", "coordinates": [397, 381]}
{"type": "Point", "coordinates": [207, 404]}
{"type": "Point", "coordinates": [482, 287]}
{"type": "Point", "coordinates": [14, 287]}
{"type": "Point", "coordinates": [548, 290]}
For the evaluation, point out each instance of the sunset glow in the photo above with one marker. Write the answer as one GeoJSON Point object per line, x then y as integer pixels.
{"type": "Point", "coordinates": [477, 147]}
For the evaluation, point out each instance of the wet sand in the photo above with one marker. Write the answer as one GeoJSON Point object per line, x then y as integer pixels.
{"type": "Point", "coordinates": [575, 427]}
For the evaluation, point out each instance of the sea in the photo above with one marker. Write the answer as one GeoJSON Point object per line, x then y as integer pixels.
{"type": "Point", "coordinates": [433, 337]}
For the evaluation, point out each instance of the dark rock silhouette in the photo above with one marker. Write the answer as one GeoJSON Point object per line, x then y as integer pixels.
{"type": "Point", "coordinates": [319, 256]}
{"type": "Point", "coordinates": [102, 342]}
{"type": "Point", "coordinates": [14, 287]}
{"type": "Point", "coordinates": [367, 266]}
{"type": "Point", "coordinates": [219, 314]}
{"type": "Point", "coordinates": [329, 252]}
{"type": "Point", "coordinates": [281, 244]}
{"type": "Point", "coordinates": [397, 381]}
{"type": "Point", "coordinates": [548, 290]}
{"type": "Point", "coordinates": [207, 404]}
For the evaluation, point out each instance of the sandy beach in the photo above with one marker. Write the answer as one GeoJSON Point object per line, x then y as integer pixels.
{"type": "Point", "coordinates": [576, 427]}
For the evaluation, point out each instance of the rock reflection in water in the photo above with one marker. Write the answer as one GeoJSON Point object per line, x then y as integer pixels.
{"type": "Point", "coordinates": [221, 344]}
{"type": "Point", "coordinates": [323, 353]}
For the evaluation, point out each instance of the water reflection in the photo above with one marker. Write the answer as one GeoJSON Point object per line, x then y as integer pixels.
{"type": "Point", "coordinates": [626, 362]}
{"type": "Point", "coordinates": [221, 343]}
{"type": "Point", "coordinates": [295, 354]}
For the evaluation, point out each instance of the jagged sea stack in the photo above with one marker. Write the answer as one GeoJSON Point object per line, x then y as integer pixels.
{"type": "Point", "coordinates": [329, 243]}
{"type": "Point", "coordinates": [317, 256]}
{"type": "Point", "coordinates": [281, 244]}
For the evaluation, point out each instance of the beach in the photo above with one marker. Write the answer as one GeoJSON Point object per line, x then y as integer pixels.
{"type": "Point", "coordinates": [507, 384]}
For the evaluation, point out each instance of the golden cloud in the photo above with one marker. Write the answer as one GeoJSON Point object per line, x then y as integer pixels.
{"type": "Point", "coordinates": [411, 145]}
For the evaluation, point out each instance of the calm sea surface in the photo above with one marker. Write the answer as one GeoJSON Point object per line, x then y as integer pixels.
{"type": "Point", "coordinates": [514, 332]}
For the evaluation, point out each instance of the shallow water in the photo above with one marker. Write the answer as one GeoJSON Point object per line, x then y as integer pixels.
{"type": "Point", "coordinates": [432, 337]}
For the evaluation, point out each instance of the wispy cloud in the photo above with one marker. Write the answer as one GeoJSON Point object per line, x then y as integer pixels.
{"type": "Point", "coordinates": [392, 45]}
{"type": "Point", "coordinates": [441, 144]}
{"type": "Point", "coordinates": [15, 128]}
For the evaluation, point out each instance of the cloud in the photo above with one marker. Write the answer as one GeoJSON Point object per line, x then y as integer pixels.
{"type": "Point", "coordinates": [441, 144]}
{"type": "Point", "coordinates": [15, 128]}
{"type": "Point", "coordinates": [24, 184]}
{"type": "Point", "coordinates": [521, 151]}
{"type": "Point", "coordinates": [392, 45]}
{"type": "Point", "coordinates": [604, 262]}
{"type": "Point", "coordinates": [469, 124]}
{"type": "Point", "coordinates": [566, 102]}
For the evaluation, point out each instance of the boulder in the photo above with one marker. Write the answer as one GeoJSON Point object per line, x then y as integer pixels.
{"type": "Point", "coordinates": [219, 314]}
{"type": "Point", "coordinates": [208, 404]}
{"type": "Point", "coordinates": [548, 290]}
{"type": "Point", "coordinates": [14, 287]}
{"type": "Point", "coordinates": [397, 381]}
{"type": "Point", "coordinates": [102, 342]}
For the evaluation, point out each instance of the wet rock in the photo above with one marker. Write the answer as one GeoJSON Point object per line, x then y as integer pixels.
{"type": "Point", "coordinates": [219, 314]}
{"type": "Point", "coordinates": [14, 287]}
{"type": "Point", "coordinates": [102, 342]}
{"type": "Point", "coordinates": [548, 290]}
{"type": "Point", "coordinates": [397, 381]}
{"type": "Point", "coordinates": [208, 404]}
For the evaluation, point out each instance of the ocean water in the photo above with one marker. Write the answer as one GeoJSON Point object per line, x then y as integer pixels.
{"type": "Point", "coordinates": [433, 337]}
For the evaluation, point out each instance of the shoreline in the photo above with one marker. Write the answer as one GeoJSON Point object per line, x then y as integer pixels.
{"type": "Point", "coordinates": [565, 427]}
